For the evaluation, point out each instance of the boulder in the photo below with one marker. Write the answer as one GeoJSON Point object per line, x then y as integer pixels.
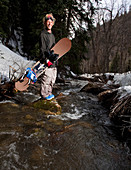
{"type": "Point", "coordinates": [94, 88]}
{"type": "Point", "coordinates": [49, 107]}
{"type": "Point", "coordinates": [106, 97]}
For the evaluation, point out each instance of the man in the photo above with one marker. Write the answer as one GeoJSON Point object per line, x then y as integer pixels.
{"type": "Point", "coordinates": [47, 41]}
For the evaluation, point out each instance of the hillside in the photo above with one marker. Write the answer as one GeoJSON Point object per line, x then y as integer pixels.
{"type": "Point", "coordinates": [110, 47]}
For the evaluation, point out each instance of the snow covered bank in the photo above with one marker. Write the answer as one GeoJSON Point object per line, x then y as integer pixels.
{"type": "Point", "coordinates": [114, 92]}
{"type": "Point", "coordinates": [123, 79]}
{"type": "Point", "coordinates": [10, 61]}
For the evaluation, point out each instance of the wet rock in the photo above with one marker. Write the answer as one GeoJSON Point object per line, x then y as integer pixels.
{"type": "Point", "coordinates": [9, 107]}
{"type": "Point", "coordinates": [40, 132]}
{"type": "Point", "coordinates": [56, 121]}
{"type": "Point", "coordinates": [40, 124]}
{"type": "Point", "coordinates": [98, 87]}
{"type": "Point", "coordinates": [50, 107]}
{"type": "Point", "coordinates": [94, 88]}
{"type": "Point", "coordinates": [29, 117]}
{"type": "Point", "coordinates": [97, 78]}
{"type": "Point", "coordinates": [60, 96]}
{"type": "Point", "coordinates": [36, 155]}
{"type": "Point", "coordinates": [54, 125]}
{"type": "Point", "coordinates": [83, 124]}
{"type": "Point", "coordinates": [106, 97]}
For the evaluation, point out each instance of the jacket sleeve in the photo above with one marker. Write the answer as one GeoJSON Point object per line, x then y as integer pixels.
{"type": "Point", "coordinates": [43, 46]}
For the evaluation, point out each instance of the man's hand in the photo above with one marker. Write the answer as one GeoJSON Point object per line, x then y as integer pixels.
{"type": "Point", "coordinates": [48, 62]}
{"type": "Point", "coordinates": [52, 56]}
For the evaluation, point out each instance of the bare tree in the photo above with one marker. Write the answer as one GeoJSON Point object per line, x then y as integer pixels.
{"type": "Point", "coordinates": [110, 38]}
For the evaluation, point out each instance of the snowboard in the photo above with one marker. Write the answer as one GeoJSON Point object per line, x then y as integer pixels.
{"type": "Point", "coordinates": [61, 48]}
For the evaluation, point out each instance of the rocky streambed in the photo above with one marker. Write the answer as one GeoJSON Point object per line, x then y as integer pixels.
{"type": "Point", "coordinates": [74, 131]}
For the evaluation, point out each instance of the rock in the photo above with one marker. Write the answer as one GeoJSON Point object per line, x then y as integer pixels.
{"type": "Point", "coordinates": [94, 88]}
{"type": "Point", "coordinates": [50, 107]}
{"type": "Point", "coordinates": [56, 121]}
{"type": "Point", "coordinates": [36, 155]}
{"type": "Point", "coordinates": [97, 87]}
{"type": "Point", "coordinates": [29, 117]}
{"type": "Point", "coordinates": [106, 97]}
{"type": "Point", "coordinates": [97, 78]}
{"type": "Point", "coordinates": [60, 96]}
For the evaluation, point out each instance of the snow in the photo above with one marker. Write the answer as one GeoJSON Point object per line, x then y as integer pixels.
{"type": "Point", "coordinates": [124, 91]}
{"type": "Point", "coordinates": [123, 79]}
{"type": "Point", "coordinates": [10, 61]}
{"type": "Point", "coordinates": [9, 58]}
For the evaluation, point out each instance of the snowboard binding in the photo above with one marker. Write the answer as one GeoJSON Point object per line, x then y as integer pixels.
{"type": "Point", "coordinates": [30, 74]}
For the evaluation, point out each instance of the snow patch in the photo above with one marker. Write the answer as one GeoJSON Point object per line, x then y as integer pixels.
{"type": "Point", "coordinates": [124, 91]}
{"type": "Point", "coordinates": [10, 61]}
{"type": "Point", "coordinates": [123, 79]}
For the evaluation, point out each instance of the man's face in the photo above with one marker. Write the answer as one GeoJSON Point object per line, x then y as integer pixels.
{"type": "Point", "coordinates": [49, 24]}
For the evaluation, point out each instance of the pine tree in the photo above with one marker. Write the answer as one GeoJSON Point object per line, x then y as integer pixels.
{"type": "Point", "coordinates": [73, 19]}
{"type": "Point", "coordinates": [79, 21]}
{"type": "Point", "coordinates": [4, 27]}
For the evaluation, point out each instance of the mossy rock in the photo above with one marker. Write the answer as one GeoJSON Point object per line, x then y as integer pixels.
{"type": "Point", "coordinates": [51, 106]}
{"type": "Point", "coordinates": [56, 121]}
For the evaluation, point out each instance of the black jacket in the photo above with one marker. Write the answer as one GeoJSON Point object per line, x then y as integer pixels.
{"type": "Point", "coordinates": [47, 41]}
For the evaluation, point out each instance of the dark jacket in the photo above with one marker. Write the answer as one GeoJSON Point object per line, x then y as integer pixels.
{"type": "Point", "coordinates": [47, 41]}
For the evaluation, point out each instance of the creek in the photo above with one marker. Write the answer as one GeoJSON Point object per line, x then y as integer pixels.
{"type": "Point", "coordinates": [82, 137]}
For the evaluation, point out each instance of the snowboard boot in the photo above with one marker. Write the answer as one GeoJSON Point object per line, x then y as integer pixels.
{"type": "Point", "coordinates": [50, 97]}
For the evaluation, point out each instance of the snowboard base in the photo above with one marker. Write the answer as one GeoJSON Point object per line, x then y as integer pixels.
{"type": "Point", "coordinates": [61, 48]}
{"type": "Point", "coordinates": [22, 85]}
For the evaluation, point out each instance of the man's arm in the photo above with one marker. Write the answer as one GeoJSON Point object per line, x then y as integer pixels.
{"type": "Point", "coordinates": [43, 47]}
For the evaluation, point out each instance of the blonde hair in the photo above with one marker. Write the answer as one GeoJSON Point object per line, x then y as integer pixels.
{"type": "Point", "coordinates": [49, 16]}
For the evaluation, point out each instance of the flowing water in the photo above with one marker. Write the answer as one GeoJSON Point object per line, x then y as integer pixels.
{"type": "Point", "coordinates": [80, 138]}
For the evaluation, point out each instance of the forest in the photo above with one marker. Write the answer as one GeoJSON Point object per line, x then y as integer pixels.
{"type": "Point", "coordinates": [87, 124]}
{"type": "Point", "coordinates": [101, 40]}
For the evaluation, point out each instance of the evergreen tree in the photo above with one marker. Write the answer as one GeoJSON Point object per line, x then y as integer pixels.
{"type": "Point", "coordinates": [79, 21]}
{"type": "Point", "coordinates": [4, 27]}
{"type": "Point", "coordinates": [9, 16]}
{"type": "Point", "coordinates": [73, 19]}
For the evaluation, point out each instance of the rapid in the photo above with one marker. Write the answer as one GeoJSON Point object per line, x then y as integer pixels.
{"type": "Point", "coordinates": [82, 137]}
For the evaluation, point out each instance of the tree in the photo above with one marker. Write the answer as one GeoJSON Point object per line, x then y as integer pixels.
{"type": "Point", "coordinates": [9, 16]}
{"type": "Point", "coordinates": [4, 27]}
{"type": "Point", "coordinates": [109, 39]}
{"type": "Point", "coordinates": [73, 19]}
{"type": "Point", "coordinates": [79, 20]}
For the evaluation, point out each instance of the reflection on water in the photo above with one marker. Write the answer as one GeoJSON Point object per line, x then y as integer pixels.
{"type": "Point", "coordinates": [80, 138]}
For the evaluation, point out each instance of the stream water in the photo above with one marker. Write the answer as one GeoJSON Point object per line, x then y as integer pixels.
{"type": "Point", "coordinates": [80, 138]}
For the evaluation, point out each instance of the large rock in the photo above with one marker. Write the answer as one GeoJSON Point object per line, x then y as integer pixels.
{"type": "Point", "coordinates": [95, 88]}
{"type": "Point", "coordinates": [106, 97]}
{"type": "Point", "coordinates": [50, 107]}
